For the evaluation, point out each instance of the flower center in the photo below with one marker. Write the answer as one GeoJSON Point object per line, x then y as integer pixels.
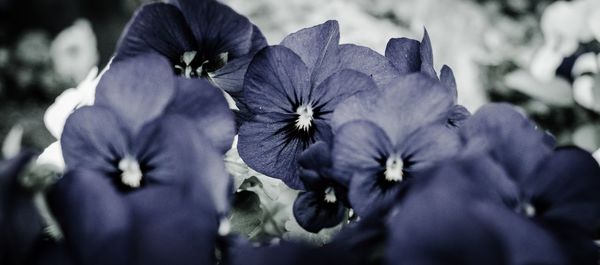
{"type": "Point", "coordinates": [305, 117]}
{"type": "Point", "coordinates": [393, 169]}
{"type": "Point", "coordinates": [131, 174]}
{"type": "Point", "coordinates": [192, 65]}
{"type": "Point", "coordinates": [527, 209]}
{"type": "Point", "coordinates": [330, 195]}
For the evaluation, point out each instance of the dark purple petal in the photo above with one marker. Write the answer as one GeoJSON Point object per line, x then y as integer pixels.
{"type": "Point", "coordinates": [94, 138]}
{"type": "Point", "coordinates": [404, 54]}
{"type": "Point", "coordinates": [174, 153]}
{"type": "Point", "coordinates": [447, 78]}
{"type": "Point", "coordinates": [217, 28]}
{"type": "Point", "coordinates": [358, 146]}
{"type": "Point", "coordinates": [318, 48]}
{"type": "Point", "coordinates": [338, 87]}
{"type": "Point", "coordinates": [277, 81]}
{"type": "Point", "coordinates": [156, 27]}
{"type": "Point", "coordinates": [258, 40]}
{"type": "Point", "coordinates": [565, 188]}
{"type": "Point", "coordinates": [370, 193]}
{"type": "Point", "coordinates": [93, 216]}
{"type": "Point", "coordinates": [512, 139]}
{"type": "Point", "coordinates": [230, 77]}
{"type": "Point", "coordinates": [524, 241]}
{"type": "Point", "coordinates": [270, 144]}
{"type": "Point", "coordinates": [207, 107]}
{"type": "Point", "coordinates": [315, 165]}
{"type": "Point", "coordinates": [172, 228]}
{"type": "Point", "coordinates": [20, 223]}
{"type": "Point", "coordinates": [313, 213]}
{"type": "Point", "coordinates": [428, 145]}
{"type": "Point", "coordinates": [367, 61]}
{"type": "Point", "coordinates": [290, 253]}
{"type": "Point", "coordinates": [137, 90]}
{"type": "Point", "coordinates": [414, 101]}
{"type": "Point", "coordinates": [427, 66]}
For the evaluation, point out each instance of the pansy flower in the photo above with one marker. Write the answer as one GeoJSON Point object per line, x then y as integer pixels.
{"type": "Point", "coordinates": [293, 89]}
{"type": "Point", "coordinates": [200, 38]}
{"type": "Point", "coordinates": [555, 188]}
{"type": "Point", "coordinates": [382, 137]}
{"type": "Point", "coordinates": [411, 56]}
{"type": "Point", "coordinates": [141, 165]}
{"type": "Point", "coordinates": [447, 219]}
{"type": "Point", "coordinates": [323, 204]}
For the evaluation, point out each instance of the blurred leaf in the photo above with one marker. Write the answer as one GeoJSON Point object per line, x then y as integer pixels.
{"type": "Point", "coordinates": [555, 92]}
{"type": "Point", "coordinates": [246, 216]}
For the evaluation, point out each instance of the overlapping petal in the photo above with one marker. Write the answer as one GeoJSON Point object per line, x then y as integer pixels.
{"type": "Point", "coordinates": [137, 90]}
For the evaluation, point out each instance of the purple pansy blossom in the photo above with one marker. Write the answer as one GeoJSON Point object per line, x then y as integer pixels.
{"type": "Point", "coordinates": [324, 202]}
{"type": "Point", "coordinates": [384, 136]}
{"type": "Point", "coordinates": [556, 188]}
{"type": "Point", "coordinates": [446, 218]}
{"type": "Point", "coordinates": [139, 168]}
{"type": "Point", "coordinates": [293, 89]}
{"type": "Point", "coordinates": [201, 38]}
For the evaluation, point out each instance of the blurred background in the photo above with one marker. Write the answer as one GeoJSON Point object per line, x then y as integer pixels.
{"type": "Point", "coordinates": [541, 55]}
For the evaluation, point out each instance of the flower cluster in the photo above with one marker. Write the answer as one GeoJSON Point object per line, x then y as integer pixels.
{"type": "Point", "coordinates": [374, 151]}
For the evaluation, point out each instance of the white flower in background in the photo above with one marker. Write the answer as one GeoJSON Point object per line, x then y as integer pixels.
{"type": "Point", "coordinates": [52, 155]}
{"type": "Point", "coordinates": [555, 91]}
{"type": "Point", "coordinates": [597, 157]}
{"type": "Point", "coordinates": [586, 87]}
{"type": "Point", "coordinates": [56, 115]}
{"type": "Point", "coordinates": [564, 25]}
{"type": "Point", "coordinates": [74, 51]}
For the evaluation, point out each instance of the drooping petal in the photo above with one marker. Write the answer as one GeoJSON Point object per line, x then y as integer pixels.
{"type": "Point", "coordinates": [217, 28]}
{"type": "Point", "coordinates": [359, 146]}
{"type": "Point", "coordinates": [258, 40]}
{"type": "Point", "coordinates": [207, 107]}
{"type": "Point", "coordinates": [404, 54]}
{"type": "Point", "coordinates": [512, 139]}
{"type": "Point", "coordinates": [93, 217]}
{"type": "Point", "coordinates": [368, 61]}
{"type": "Point", "coordinates": [338, 87]}
{"type": "Point", "coordinates": [156, 28]}
{"type": "Point", "coordinates": [313, 213]}
{"type": "Point", "coordinates": [94, 138]}
{"type": "Point", "coordinates": [414, 100]}
{"type": "Point", "coordinates": [174, 153]}
{"type": "Point", "coordinates": [318, 48]}
{"type": "Point", "coordinates": [565, 187]}
{"type": "Point", "coordinates": [137, 90]}
{"type": "Point", "coordinates": [277, 81]}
